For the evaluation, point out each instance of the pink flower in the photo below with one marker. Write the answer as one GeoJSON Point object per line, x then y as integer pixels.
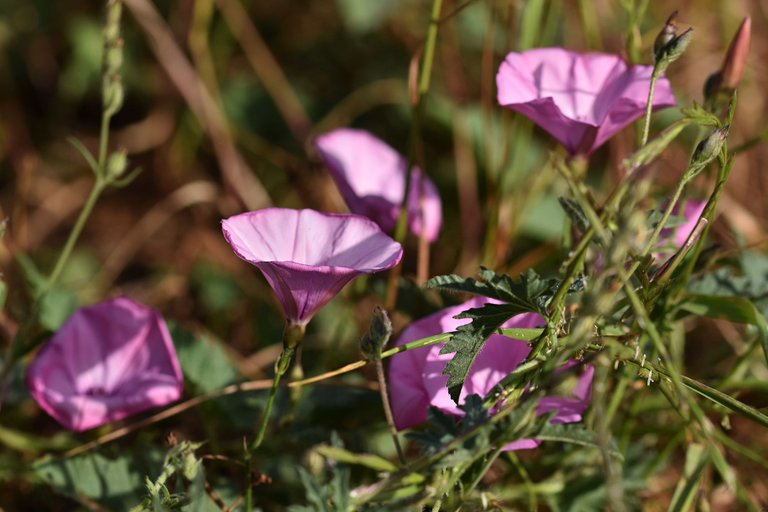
{"type": "Point", "coordinates": [672, 239]}
{"type": "Point", "coordinates": [306, 256]}
{"type": "Point", "coordinates": [416, 380]}
{"type": "Point", "coordinates": [107, 362]}
{"type": "Point", "coordinates": [582, 100]}
{"type": "Point", "coordinates": [371, 178]}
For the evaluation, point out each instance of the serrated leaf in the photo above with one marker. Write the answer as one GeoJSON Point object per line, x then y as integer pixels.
{"type": "Point", "coordinates": [521, 293]}
{"type": "Point", "coordinates": [700, 116]}
{"type": "Point", "coordinates": [468, 339]}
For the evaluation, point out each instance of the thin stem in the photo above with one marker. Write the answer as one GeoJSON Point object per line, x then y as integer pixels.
{"type": "Point", "coordinates": [387, 409]}
{"type": "Point", "coordinates": [98, 188]}
{"type": "Point", "coordinates": [401, 228]}
{"type": "Point", "coordinates": [649, 105]}
{"type": "Point", "coordinates": [651, 244]}
{"type": "Point", "coordinates": [281, 366]}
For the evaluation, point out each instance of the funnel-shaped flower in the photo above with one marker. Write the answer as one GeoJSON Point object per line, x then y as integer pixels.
{"type": "Point", "coordinates": [371, 178]}
{"type": "Point", "coordinates": [416, 377]}
{"type": "Point", "coordinates": [107, 362]}
{"type": "Point", "coordinates": [307, 256]}
{"type": "Point", "coordinates": [582, 100]}
{"type": "Point", "coordinates": [673, 238]}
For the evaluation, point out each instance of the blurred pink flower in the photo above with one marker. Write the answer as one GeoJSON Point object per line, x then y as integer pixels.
{"type": "Point", "coordinates": [107, 362]}
{"type": "Point", "coordinates": [371, 178]}
{"type": "Point", "coordinates": [582, 100]}
{"type": "Point", "coordinates": [672, 239]}
{"type": "Point", "coordinates": [306, 256]}
{"type": "Point", "coordinates": [416, 380]}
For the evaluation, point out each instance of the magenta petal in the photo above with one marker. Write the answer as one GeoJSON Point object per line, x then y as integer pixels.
{"type": "Point", "coordinates": [371, 178]}
{"type": "Point", "coordinates": [107, 362]}
{"type": "Point", "coordinates": [306, 256]}
{"type": "Point", "coordinates": [416, 381]}
{"type": "Point", "coordinates": [672, 239]}
{"type": "Point", "coordinates": [582, 100]}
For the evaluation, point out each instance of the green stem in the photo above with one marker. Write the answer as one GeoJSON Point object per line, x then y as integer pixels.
{"type": "Point", "coordinates": [651, 244]}
{"type": "Point", "coordinates": [401, 228]}
{"type": "Point", "coordinates": [649, 105]}
{"type": "Point", "coordinates": [98, 188]}
{"type": "Point", "coordinates": [281, 366]}
{"type": "Point", "coordinates": [387, 409]}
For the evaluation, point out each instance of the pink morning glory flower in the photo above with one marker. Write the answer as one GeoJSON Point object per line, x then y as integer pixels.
{"type": "Point", "coordinates": [107, 362]}
{"type": "Point", "coordinates": [581, 99]}
{"type": "Point", "coordinates": [306, 256]}
{"type": "Point", "coordinates": [672, 239]}
{"type": "Point", "coordinates": [416, 377]}
{"type": "Point", "coordinates": [371, 178]}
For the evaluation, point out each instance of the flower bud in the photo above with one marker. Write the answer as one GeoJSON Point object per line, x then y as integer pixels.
{"type": "Point", "coordinates": [116, 165]}
{"type": "Point", "coordinates": [736, 58]}
{"type": "Point", "coordinates": [292, 335]}
{"type": "Point", "coordinates": [113, 58]}
{"type": "Point", "coordinates": [113, 94]}
{"type": "Point", "coordinates": [706, 151]}
{"type": "Point", "coordinates": [378, 334]}
{"type": "Point", "coordinates": [667, 34]}
{"type": "Point", "coordinates": [673, 50]}
{"type": "Point", "coordinates": [112, 21]}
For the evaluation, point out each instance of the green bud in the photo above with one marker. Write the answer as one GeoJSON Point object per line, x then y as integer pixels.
{"type": "Point", "coordinates": [113, 58]}
{"type": "Point", "coordinates": [378, 334]}
{"type": "Point", "coordinates": [667, 34]}
{"type": "Point", "coordinates": [113, 95]}
{"type": "Point", "coordinates": [707, 150]}
{"type": "Point", "coordinates": [112, 21]}
{"type": "Point", "coordinates": [116, 165]}
{"type": "Point", "coordinates": [190, 466]}
{"type": "Point", "coordinates": [673, 50]}
{"type": "Point", "coordinates": [292, 336]}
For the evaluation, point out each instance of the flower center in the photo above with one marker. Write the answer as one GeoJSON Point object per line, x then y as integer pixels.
{"type": "Point", "coordinates": [96, 391]}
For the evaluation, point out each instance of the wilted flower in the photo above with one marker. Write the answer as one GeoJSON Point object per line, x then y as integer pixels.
{"type": "Point", "coordinates": [582, 100]}
{"type": "Point", "coordinates": [416, 377]}
{"type": "Point", "coordinates": [107, 362]}
{"type": "Point", "coordinates": [306, 256]}
{"type": "Point", "coordinates": [371, 178]}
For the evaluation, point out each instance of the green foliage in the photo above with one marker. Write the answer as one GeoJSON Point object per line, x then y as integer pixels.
{"type": "Point", "coordinates": [328, 491]}
{"type": "Point", "coordinates": [530, 293]}
{"type": "Point", "coordinates": [205, 364]}
{"type": "Point", "coordinates": [115, 483]}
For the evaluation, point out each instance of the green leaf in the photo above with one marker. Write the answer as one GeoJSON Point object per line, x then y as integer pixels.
{"type": "Point", "coordinates": [116, 483]}
{"type": "Point", "coordinates": [468, 339]}
{"type": "Point", "coordinates": [575, 213]}
{"type": "Point", "coordinates": [361, 459]}
{"type": "Point", "coordinates": [361, 17]}
{"type": "Point", "coordinates": [203, 360]}
{"type": "Point", "coordinates": [526, 293]}
{"type": "Point", "coordinates": [696, 459]}
{"type": "Point", "coordinates": [656, 146]}
{"type": "Point", "coordinates": [736, 309]}
{"type": "Point", "coordinates": [56, 305]}
{"type": "Point", "coordinates": [723, 399]}
{"type": "Point", "coordinates": [700, 116]}
{"type": "Point", "coordinates": [574, 434]}
{"type": "Point", "coordinates": [24, 441]}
